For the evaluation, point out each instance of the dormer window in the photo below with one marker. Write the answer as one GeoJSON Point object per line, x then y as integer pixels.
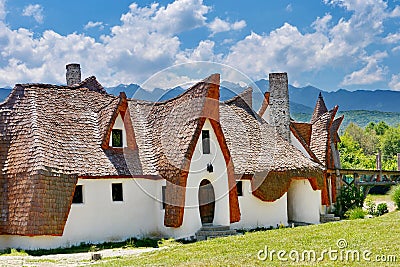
{"type": "Point", "coordinates": [118, 135]}
{"type": "Point", "coordinates": [117, 138]}
{"type": "Point", "coordinates": [205, 136]}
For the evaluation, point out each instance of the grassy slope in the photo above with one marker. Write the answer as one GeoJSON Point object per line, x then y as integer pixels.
{"type": "Point", "coordinates": [379, 235]}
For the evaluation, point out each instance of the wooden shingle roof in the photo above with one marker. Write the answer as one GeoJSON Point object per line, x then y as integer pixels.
{"type": "Point", "coordinates": [259, 152]}
{"type": "Point", "coordinates": [49, 136]}
{"type": "Point", "coordinates": [319, 110]}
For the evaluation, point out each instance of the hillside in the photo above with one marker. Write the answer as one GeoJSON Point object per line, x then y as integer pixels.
{"type": "Point", "coordinates": [377, 100]}
{"type": "Point", "coordinates": [359, 117]}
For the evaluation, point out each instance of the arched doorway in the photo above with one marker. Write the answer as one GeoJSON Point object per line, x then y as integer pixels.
{"type": "Point", "coordinates": [206, 201]}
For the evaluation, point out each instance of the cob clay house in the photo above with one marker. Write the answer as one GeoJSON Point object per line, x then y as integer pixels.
{"type": "Point", "coordinates": [80, 165]}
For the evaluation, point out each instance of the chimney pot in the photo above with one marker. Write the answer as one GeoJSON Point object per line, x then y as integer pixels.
{"type": "Point", "coordinates": [73, 75]}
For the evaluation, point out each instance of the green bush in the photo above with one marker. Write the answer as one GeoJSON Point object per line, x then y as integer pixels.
{"type": "Point", "coordinates": [395, 193]}
{"type": "Point", "coordinates": [371, 206]}
{"type": "Point", "coordinates": [349, 197]}
{"type": "Point", "coordinates": [355, 213]}
{"type": "Point", "coordinates": [381, 209]}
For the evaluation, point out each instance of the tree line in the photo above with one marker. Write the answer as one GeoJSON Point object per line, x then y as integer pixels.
{"type": "Point", "coordinates": [359, 146]}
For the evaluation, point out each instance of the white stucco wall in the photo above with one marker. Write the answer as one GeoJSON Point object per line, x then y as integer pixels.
{"type": "Point", "coordinates": [296, 143]}
{"type": "Point", "coordinates": [258, 213]}
{"type": "Point", "coordinates": [303, 202]}
{"type": "Point", "coordinates": [99, 218]}
{"type": "Point", "coordinates": [119, 124]}
{"type": "Point", "coordinates": [197, 172]}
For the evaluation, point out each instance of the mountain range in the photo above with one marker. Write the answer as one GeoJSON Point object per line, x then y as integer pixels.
{"type": "Point", "coordinates": [302, 98]}
{"type": "Point", "coordinates": [360, 106]}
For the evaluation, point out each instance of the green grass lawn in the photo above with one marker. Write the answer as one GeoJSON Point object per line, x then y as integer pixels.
{"type": "Point", "coordinates": [378, 235]}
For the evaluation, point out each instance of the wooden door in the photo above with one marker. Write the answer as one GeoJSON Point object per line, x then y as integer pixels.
{"type": "Point", "coordinates": [206, 201]}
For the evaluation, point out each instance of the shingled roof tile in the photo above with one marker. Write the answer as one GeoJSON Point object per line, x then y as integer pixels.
{"type": "Point", "coordinates": [259, 151]}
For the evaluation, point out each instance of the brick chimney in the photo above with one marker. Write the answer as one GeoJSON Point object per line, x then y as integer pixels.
{"type": "Point", "coordinates": [279, 103]}
{"type": "Point", "coordinates": [73, 74]}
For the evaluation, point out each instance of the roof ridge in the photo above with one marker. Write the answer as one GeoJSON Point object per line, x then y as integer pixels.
{"type": "Point", "coordinates": [92, 84]}
{"type": "Point", "coordinates": [11, 94]}
{"type": "Point", "coordinates": [240, 95]}
{"type": "Point", "coordinates": [243, 100]}
{"type": "Point", "coordinates": [212, 79]}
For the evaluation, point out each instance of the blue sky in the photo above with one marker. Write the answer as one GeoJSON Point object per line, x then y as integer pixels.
{"type": "Point", "coordinates": [330, 44]}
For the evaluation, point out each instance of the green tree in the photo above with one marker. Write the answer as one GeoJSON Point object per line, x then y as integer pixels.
{"type": "Point", "coordinates": [359, 146]}
{"type": "Point", "coordinates": [391, 142]}
{"type": "Point", "coordinates": [352, 156]}
{"type": "Point", "coordinates": [367, 140]}
{"type": "Point", "coordinates": [381, 128]}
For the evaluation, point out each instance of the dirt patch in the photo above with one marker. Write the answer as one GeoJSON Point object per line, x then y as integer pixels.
{"type": "Point", "coordinates": [75, 259]}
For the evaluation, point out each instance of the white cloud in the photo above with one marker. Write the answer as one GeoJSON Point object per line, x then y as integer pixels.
{"type": "Point", "coordinates": [238, 25]}
{"type": "Point", "coordinates": [179, 16]}
{"type": "Point", "coordinates": [3, 12]}
{"type": "Point", "coordinates": [147, 40]}
{"type": "Point", "coordinates": [372, 72]}
{"type": "Point", "coordinates": [395, 12]}
{"type": "Point", "coordinates": [322, 24]}
{"type": "Point", "coordinates": [218, 25]}
{"type": "Point", "coordinates": [289, 8]}
{"type": "Point", "coordinates": [332, 45]}
{"type": "Point", "coordinates": [396, 49]}
{"type": "Point", "coordinates": [284, 49]}
{"type": "Point", "coordinates": [391, 38]}
{"type": "Point", "coordinates": [394, 83]}
{"type": "Point", "coordinates": [35, 11]}
{"type": "Point", "coordinates": [203, 52]}
{"type": "Point", "coordinates": [92, 24]}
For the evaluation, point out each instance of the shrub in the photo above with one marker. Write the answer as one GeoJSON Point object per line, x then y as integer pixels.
{"type": "Point", "coordinates": [355, 213]}
{"type": "Point", "coordinates": [349, 197]}
{"type": "Point", "coordinates": [371, 206]}
{"type": "Point", "coordinates": [381, 209]}
{"type": "Point", "coordinates": [395, 193]}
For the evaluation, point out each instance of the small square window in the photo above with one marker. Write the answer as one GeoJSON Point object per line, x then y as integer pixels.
{"type": "Point", "coordinates": [163, 197]}
{"type": "Point", "coordinates": [117, 192]}
{"type": "Point", "coordinates": [239, 187]}
{"type": "Point", "coordinates": [117, 138]}
{"type": "Point", "coordinates": [205, 136]}
{"type": "Point", "coordinates": [78, 195]}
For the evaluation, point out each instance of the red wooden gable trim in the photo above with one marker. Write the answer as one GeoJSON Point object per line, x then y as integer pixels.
{"type": "Point", "coordinates": [210, 111]}
{"type": "Point", "coordinates": [264, 105]}
{"type": "Point", "coordinates": [122, 109]}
